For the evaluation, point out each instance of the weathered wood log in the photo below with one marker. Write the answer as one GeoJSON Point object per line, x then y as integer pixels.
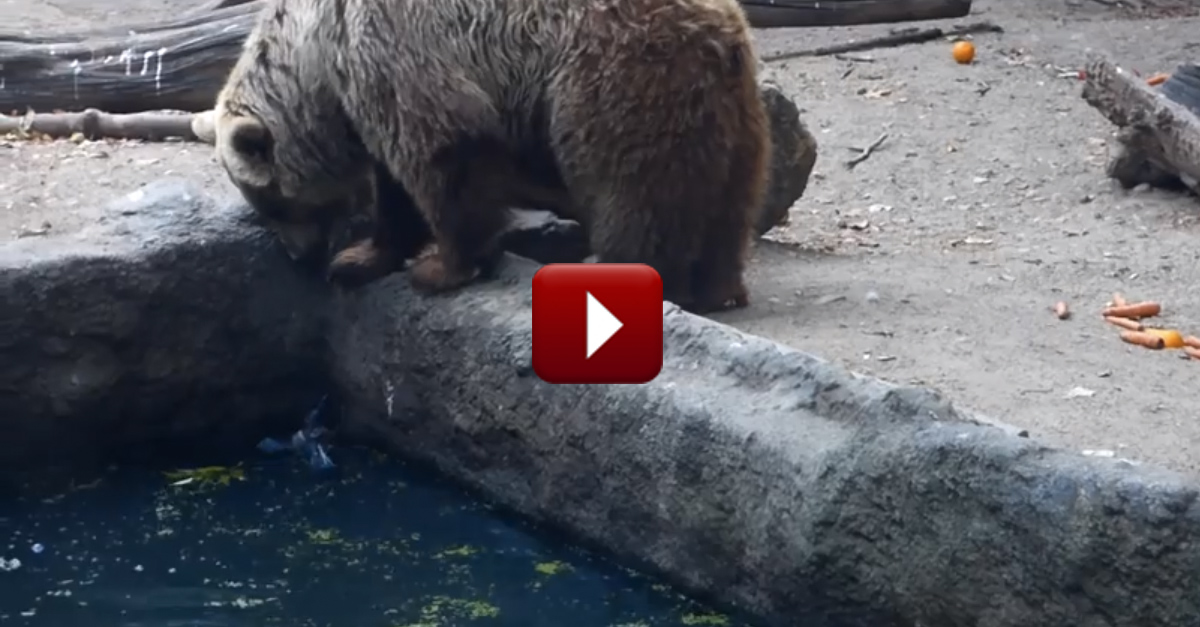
{"type": "Point", "coordinates": [181, 63]}
{"type": "Point", "coordinates": [93, 124]}
{"type": "Point", "coordinates": [213, 5]}
{"type": "Point", "coordinates": [809, 13]}
{"type": "Point", "coordinates": [171, 65]}
{"type": "Point", "coordinates": [1157, 135]}
{"type": "Point", "coordinates": [220, 10]}
{"type": "Point", "coordinates": [914, 36]}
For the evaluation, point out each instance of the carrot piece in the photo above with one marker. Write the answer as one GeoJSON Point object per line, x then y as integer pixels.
{"type": "Point", "coordinates": [1157, 79]}
{"type": "Point", "coordinates": [1137, 310]}
{"type": "Point", "coordinates": [1145, 340]}
{"type": "Point", "coordinates": [1061, 310]}
{"type": "Point", "coordinates": [1171, 337]}
{"type": "Point", "coordinates": [1192, 352]}
{"type": "Point", "coordinates": [1118, 300]}
{"type": "Point", "coordinates": [1125, 323]}
{"type": "Point", "coordinates": [1191, 340]}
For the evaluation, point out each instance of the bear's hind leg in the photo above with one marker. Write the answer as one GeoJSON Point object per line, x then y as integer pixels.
{"type": "Point", "coordinates": [717, 274]}
{"type": "Point", "coordinates": [614, 238]}
{"type": "Point", "coordinates": [717, 271]}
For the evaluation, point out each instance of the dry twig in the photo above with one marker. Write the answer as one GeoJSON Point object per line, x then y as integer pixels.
{"type": "Point", "coordinates": [866, 152]}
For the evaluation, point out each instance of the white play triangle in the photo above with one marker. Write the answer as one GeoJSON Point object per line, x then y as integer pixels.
{"type": "Point", "coordinates": [601, 325]}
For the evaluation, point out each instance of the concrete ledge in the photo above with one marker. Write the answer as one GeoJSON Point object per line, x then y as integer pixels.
{"type": "Point", "coordinates": [170, 321]}
{"type": "Point", "coordinates": [783, 484]}
{"type": "Point", "coordinates": [764, 476]}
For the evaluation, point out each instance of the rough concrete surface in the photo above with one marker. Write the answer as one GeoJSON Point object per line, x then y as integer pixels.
{"type": "Point", "coordinates": [934, 262]}
{"type": "Point", "coordinates": [772, 478]}
{"type": "Point", "coordinates": [168, 321]}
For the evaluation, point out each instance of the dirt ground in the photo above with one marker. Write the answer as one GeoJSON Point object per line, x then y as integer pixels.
{"type": "Point", "coordinates": [936, 261]}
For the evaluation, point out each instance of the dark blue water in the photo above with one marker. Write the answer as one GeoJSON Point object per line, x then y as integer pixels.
{"type": "Point", "coordinates": [271, 543]}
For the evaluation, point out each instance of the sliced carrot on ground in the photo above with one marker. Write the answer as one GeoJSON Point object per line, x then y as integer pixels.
{"type": "Point", "coordinates": [1157, 79]}
{"type": "Point", "coordinates": [1146, 340]}
{"type": "Point", "coordinates": [1191, 340]}
{"type": "Point", "coordinates": [1192, 352]}
{"type": "Point", "coordinates": [1061, 310]}
{"type": "Point", "coordinates": [1171, 338]}
{"type": "Point", "coordinates": [1124, 323]}
{"type": "Point", "coordinates": [1137, 310]}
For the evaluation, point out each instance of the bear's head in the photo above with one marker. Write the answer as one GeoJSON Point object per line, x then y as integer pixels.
{"type": "Point", "coordinates": [290, 151]}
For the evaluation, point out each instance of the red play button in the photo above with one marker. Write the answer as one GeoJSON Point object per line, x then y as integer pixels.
{"type": "Point", "coordinates": [597, 323]}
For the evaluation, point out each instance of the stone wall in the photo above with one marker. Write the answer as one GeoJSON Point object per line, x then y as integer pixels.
{"type": "Point", "coordinates": [764, 476]}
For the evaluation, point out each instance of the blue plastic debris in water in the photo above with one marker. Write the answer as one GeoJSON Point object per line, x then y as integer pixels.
{"type": "Point", "coordinates": [306, 441]}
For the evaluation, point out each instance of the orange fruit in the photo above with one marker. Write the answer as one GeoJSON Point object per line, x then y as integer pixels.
{"type": "Point", "coordinates": [963, 51]}
{"type": "Point", "coordinates": [1171, 338]}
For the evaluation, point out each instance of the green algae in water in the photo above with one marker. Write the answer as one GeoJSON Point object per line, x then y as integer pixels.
{"type": "Point", "coordinates": [271, 543]}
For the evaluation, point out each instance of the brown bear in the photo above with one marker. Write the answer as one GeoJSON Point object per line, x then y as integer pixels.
{"type": "Point", "coordinates": [639, 118]}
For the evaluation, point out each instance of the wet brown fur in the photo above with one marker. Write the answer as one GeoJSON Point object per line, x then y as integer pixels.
{"type": "Point", "coordinates": [639, 118]}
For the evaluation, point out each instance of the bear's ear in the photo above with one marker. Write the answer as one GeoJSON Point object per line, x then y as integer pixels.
{"type": "Point", "coordinates": [251, 138]}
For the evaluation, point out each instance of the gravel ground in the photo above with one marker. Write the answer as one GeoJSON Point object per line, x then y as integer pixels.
{"type": "Point", "coordinates": [935, 261]}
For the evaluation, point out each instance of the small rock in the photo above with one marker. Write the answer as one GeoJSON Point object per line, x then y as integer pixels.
{"type": "Point", "coordinates": [24, 232]}
{"type": "Point", "coordinates": [971, 240]}
{"type": "Point", "coordinates": [1079, 392]}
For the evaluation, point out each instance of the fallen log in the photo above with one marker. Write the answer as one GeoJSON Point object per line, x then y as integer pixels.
{"type": "Point", "coordinates": [223, 9]}
{"type": "Point", "coordinates": [915, 36]}
{"type": "Point", "coordinates": [176, 65]}
{"type": "Point", "coordinates": [1157, 136]}
{"type": "Point", "coordinates": [181, 63]}
{"type": "Point", "coordinates": [810, 13]}
{"type": "Point", "coordinates": [93, 124]}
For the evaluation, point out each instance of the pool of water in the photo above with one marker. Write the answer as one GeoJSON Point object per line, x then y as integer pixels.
{"type": "Point", "coordinates": [269, 541]}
